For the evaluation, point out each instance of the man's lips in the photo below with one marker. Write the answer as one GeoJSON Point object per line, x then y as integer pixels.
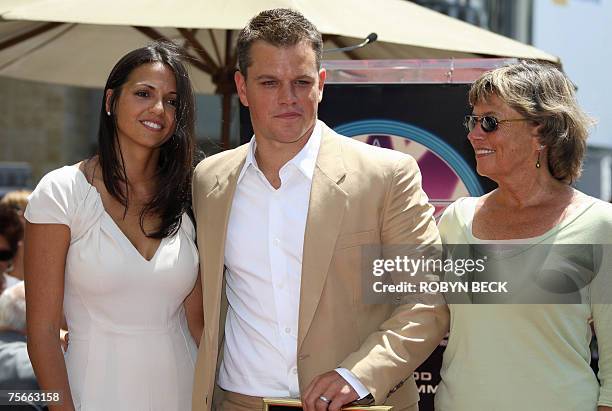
{"type": "Point", "coordinates": [288, 116]}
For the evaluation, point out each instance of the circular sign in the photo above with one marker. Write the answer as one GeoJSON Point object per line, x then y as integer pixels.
{"type": "Point", "coordinates": [446, 174]}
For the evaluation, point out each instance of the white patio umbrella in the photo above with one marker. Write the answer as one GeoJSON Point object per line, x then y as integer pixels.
{"type": "Point", "coordinates": [76, 42]}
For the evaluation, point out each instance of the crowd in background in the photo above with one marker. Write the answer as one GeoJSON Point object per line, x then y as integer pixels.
{"type": "Point", "coordinates": [15, 368]}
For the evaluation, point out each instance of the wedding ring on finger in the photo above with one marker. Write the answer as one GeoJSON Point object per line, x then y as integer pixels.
{"type": "Point", "coordinates": [324, 399]}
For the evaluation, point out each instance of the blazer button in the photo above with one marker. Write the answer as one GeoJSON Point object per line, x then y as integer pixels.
{"type": "Point", "coordinates": [303, 356]}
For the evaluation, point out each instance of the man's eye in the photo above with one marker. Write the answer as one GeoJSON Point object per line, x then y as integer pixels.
{"type": "Point", "coordinates": [303, 82]}
{"type": "Point", "coordinates": [268, 83]}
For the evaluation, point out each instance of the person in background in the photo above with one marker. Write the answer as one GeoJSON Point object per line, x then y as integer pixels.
{"type": "Point", "coordinates": [18, 200]}
{"type": "Point", "coordinates": [11, 236]}
{"type": "Point", "coordinates": [529, 136]}
{"type": "Point", "coordinates": [16, 371]}
{"type": "Point", "coordinates": [15, 368]}
{"type": "Point", "coordinates": [110, 244]}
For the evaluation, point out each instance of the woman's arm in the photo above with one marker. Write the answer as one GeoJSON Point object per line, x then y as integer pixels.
{"type": "Point", "coordinates": [46, 247]}
{"type": "Point", "coordinates": [194, 309]}
{"type": "Point", "coordinates": [601, 311]}
{"type": "Point", "coordinates": [602, 321]}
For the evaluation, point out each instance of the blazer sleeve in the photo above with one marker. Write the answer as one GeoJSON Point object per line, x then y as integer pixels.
{"type": "Point", "coordinates": [390, 355]}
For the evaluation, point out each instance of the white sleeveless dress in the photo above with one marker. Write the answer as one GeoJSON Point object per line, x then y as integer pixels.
{"type": "Point", "coordinates": [130, 348]}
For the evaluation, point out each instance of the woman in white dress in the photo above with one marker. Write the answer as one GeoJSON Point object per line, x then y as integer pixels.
{"type": "Point", "coordinates": [109, 244]}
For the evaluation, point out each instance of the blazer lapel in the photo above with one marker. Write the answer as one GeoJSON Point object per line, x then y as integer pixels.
{"type": "Point", "coordinates": [327, 206]}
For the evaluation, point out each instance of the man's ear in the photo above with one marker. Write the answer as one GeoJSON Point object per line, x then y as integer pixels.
{"type": "Point", "coordinates": [107, 100]}
{"type": "Point", "coordinates": [322, 77]}
{"type": "Point", "coordinates": [240, 81]}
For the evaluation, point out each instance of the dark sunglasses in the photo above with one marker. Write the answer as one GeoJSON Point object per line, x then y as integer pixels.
{"type": "Point", "coordinates": [488, 123]}
{"type": "Point", "coordinates": [6, 255]}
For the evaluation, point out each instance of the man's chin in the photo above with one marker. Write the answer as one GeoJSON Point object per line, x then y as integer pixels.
{"type": "Point", "coordinates": [287, 137]}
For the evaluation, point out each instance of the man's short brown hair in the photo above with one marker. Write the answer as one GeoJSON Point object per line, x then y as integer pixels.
{"type": "Point", "coordinates": [280, 28]}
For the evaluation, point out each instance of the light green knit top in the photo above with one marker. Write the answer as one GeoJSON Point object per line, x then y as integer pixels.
{"type": "Point", "coordinates": [529, 356]}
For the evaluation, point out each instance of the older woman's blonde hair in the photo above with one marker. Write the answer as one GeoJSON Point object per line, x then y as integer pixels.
{"type": "Point", "coordinates": [541, 93]}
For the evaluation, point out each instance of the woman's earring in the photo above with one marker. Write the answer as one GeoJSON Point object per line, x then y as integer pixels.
{"type": "Point", "coordinates": [539, 152]}
{"type": "Point", "coordinates": [108, 113]}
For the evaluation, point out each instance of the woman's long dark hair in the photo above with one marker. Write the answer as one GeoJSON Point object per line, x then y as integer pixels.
{"type": "Point", "coordinates": [175, 167]}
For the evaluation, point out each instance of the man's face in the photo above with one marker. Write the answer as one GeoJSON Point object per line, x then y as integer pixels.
{"type": "Point", "coordinates": [282, 90]}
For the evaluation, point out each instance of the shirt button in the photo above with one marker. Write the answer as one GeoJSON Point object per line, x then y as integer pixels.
{"type": "Point", "coordinates": [288, 330]}
{"type": "Point", "coordinates": [294, 370]}
{"type": "Point", "coordinates": [276, 242]}
{"type": "Point", "coordinates": [280, 286]}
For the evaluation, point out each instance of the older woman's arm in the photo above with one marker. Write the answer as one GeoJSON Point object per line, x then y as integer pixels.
{"type": "Point", "coordinates": [601, 300]}
{"type": "Point", "coordinates": [602, 319]}
{"type": "Point", "coordinates": [46, 247]}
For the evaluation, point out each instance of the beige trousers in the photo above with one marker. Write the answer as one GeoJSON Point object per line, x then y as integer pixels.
{"type": "Point", "coordinates": [231, 401]}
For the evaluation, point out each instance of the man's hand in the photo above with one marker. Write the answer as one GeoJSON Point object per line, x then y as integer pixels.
{"type": "Point", "coordinates": [330, 386]}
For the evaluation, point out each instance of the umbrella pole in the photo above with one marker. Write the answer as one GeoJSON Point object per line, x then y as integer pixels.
{"type": "Point", "coordinates": [226, 120]}
{"type": "Point", "coordinates": [227, 87]}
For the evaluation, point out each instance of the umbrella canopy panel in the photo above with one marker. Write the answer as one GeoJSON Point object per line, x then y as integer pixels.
{"type": "Point", "coordinates": [83, 54]}
{"type": "Point", "coordinates": [80, 54]}
{"type": "Point", "coordinates": [395, 21]}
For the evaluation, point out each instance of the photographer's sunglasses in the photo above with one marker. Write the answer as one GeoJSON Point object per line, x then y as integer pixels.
{"type": "Point", "coordinates": [6, 255]}
{"type": "Point", "coordinates": [488, 123]}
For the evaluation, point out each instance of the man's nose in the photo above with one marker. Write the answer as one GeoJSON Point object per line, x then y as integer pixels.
{"type": "Point", "coordinates": [287, 94]}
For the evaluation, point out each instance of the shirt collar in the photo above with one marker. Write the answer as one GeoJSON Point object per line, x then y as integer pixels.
{"type": "Point", "coordinates": [305, 160]}
{"type": "Point", "coordinates": [250, 158]}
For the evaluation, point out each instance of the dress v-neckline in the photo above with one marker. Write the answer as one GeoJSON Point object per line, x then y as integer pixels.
{"type": "Point", "coordinates": [116, 226]}
{"type": "Point", "coordinates": [125, 237]}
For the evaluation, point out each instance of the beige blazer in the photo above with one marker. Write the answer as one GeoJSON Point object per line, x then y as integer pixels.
{"type": "Point", "coordinates": [360, 195]}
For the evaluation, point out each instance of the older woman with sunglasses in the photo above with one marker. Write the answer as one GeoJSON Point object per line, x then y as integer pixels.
{"type": "Point", "coordinates": [529, 136]}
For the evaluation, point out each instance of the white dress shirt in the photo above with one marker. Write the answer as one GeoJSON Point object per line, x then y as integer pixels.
{"type": "Point", "coordinates": [263, 257]}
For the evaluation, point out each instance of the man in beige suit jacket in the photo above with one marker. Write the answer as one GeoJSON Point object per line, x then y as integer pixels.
{"type": "Point", "coordinates": [359, 195]}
